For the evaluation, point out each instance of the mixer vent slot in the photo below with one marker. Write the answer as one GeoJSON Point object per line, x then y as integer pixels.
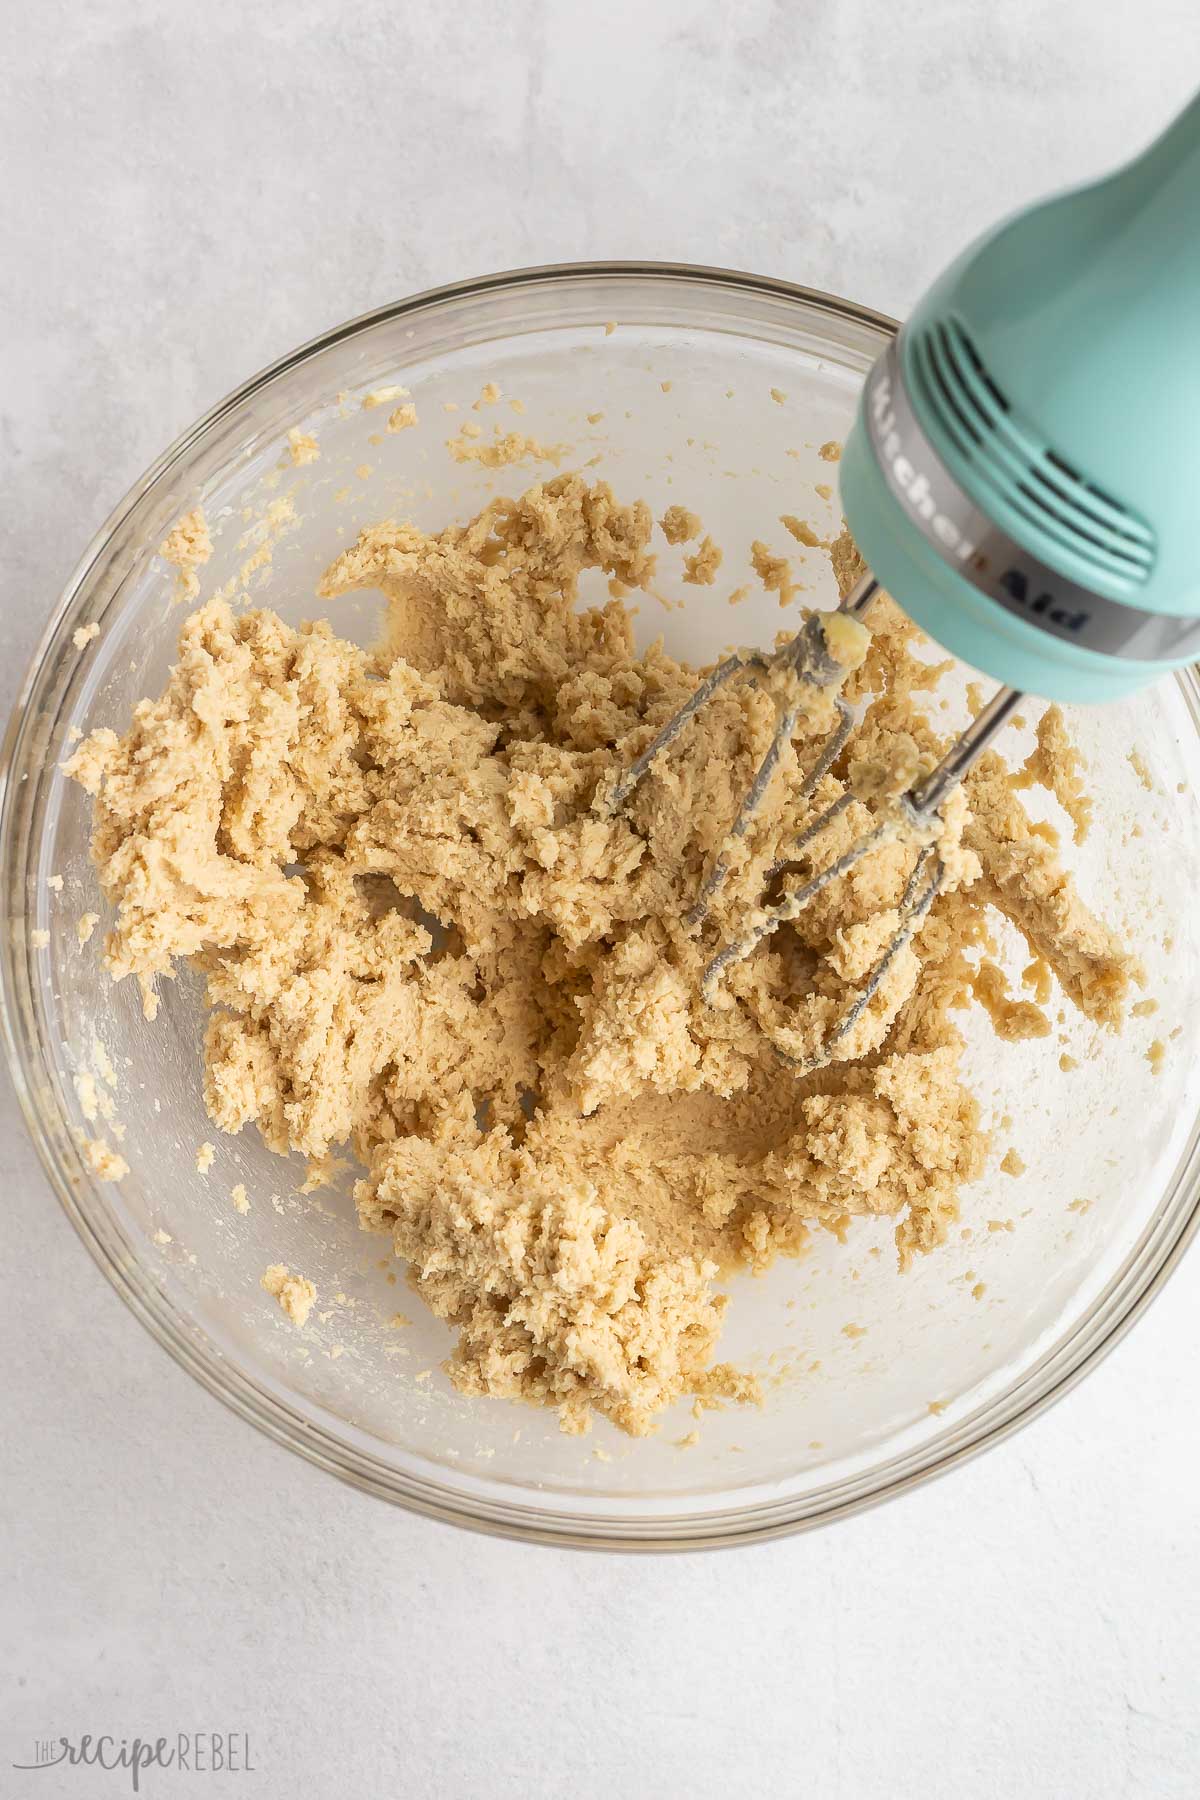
{"type": "Point", "coordinates": [1067, 511]}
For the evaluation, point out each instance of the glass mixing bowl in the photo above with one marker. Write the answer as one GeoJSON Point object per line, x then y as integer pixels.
{"type": "Point", "coordinates": [718, 391]}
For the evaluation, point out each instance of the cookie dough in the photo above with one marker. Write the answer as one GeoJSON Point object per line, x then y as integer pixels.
{"type": "Point", "coordinates": [296, 1294]}
{"type": "Point", "coordinates": [187, 546]}
{"type": "Point", "coordinates": [427, 935]}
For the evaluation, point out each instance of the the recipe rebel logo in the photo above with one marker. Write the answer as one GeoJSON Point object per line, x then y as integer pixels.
{"type": "Point", "coordinates": [192, 1752]}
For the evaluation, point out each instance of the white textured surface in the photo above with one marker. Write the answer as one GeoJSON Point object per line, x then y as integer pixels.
{"type": "Point", "coordinates": [189, 191]}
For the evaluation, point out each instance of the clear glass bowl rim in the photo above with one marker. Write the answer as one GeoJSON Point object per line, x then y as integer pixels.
{"type": "Point", "coordinates": [1139, 1279]}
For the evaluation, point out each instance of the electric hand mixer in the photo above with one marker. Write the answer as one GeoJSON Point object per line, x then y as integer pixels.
{"type": "Point", "coordinates": [1023, 476]}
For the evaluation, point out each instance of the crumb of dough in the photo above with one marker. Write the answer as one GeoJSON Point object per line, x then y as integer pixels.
{"type": "Point", "coordinates": [1056, 764]}
{"type": "Point", "coordinates": [188, 547]}
{"type": "Point", "coordinates": [1038, 977]}
{"type": "Point", "coordinates": [489, 395]}
{"type": "Point", "coordinates": [399, 1320]}
{"type": "Point", "coordinates": [104, 1161]}
{"type": "Point", "coordinates": [295, 1293]}
{"type": "Point", "coordinates": [666, 386]}
{"type": "Point", "coordinates": [609, 327]}
{"type": "Point", "coordinates": [1011, 1019]}
{"type": "Point", "coordinates": [678, 525]}
{"type": "Point", "coordinates": [822, 490]}
{"type": "Point", "coordinates": [162, 1237]}
{"type": "Point", "coordinates": [594, 418]}
{"type": "Point", "coordinates": [302, 446]}
{"type": "Point", "coordinates": [775, 572]}
{"type": "Point", "coordinates": [1156, 1055]}
{"type": "Point", "coordinates": [1143, 1009]}
{"type": "Point", "coordinates": [85, 925]}
{"type": "Point", "coordinates": [403, 418]}
{"type": "Point", "coordinates": [979, 1290]}
{"type": "Point", "coordinates": [1067, 1062]}
{"type": "Point", "coordinates": [506, 448]}
{"type": "Point", "coordinates": [83, 635]}
{"type": "Point", "coordinates": [1001, 1225]}
{"type": "Point", "coordinates": [938, 1407]}
{"type": "Point", "coordinates": [88, 1096]}
{"type": "Point", "coordinates": [54, 883]}
{"type": "Point", "coordinates": [723, 1382]}
{"type": "Point", "coordinates": [1138, 764]}
{"type": "Point", "coordinates": [238, 1196]}
{"type": "Point", "coordinates": [854, 1331]}
{"type": "Point", "coordinates": [364, 471]}
{"type": "Point", "coordinates": [688, 1441]}
{"type": "Point", "coordinates": [830, 451]}
{"type": "Point", "coordinates": [738, 595]}
{"type": "Point", "coordinates": [39, 938]}
{"type": "Point", "coordinates": [778, 396]}
{"type": "Point", "coordinates": [700, 569]}
{"type": "Point", "coordinates": [428, 939]}
{"type": "Point", "coordinates": [802, 532]}
{"type": "Point", "coordinates": [383, 397]}
{"type": "Point", "coordinates": [205, 1156]}
{"type": "Point", "coordinates": [1012, 1163]}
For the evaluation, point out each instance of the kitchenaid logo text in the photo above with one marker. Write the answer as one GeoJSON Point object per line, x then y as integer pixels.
{"type": "Point", "coordinates": [913, 487]}
{"type": "Point", "coordinates": [912, 484]}
{"type": "Point", "coordinates": [194, 1752]}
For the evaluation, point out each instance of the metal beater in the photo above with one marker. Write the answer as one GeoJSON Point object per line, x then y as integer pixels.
{"type": "Point", "coordinates": [913, 816]}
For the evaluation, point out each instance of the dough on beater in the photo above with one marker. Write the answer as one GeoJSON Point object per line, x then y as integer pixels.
{"type": "Point", "coordinates": [426, 936]}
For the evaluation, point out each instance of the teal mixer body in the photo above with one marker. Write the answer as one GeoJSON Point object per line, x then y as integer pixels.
{"type": "Point", "coordinates": [1024, 471]}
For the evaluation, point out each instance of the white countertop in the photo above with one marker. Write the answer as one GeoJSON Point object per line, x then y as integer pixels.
{"type": "Point", "coordinates": [190, 191]}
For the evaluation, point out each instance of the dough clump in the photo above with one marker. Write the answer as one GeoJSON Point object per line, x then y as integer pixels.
{"type": "Point", "coordinates": [427, 936]}
{"type": "Point", "coordinates": [296, 1294]}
